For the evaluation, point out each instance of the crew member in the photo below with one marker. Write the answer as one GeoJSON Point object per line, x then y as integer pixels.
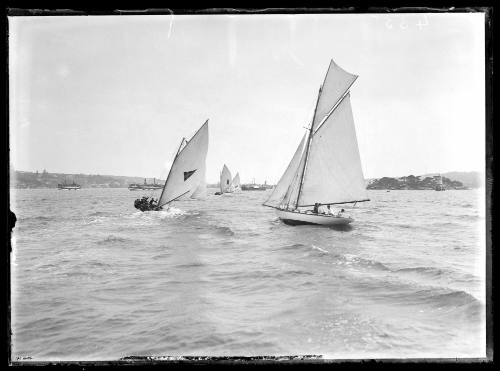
{"type": "Point", "coordinates": [323, 209]}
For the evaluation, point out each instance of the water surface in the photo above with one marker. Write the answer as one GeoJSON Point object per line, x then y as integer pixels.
{"type": "Point", "coordinates": [95, 279]}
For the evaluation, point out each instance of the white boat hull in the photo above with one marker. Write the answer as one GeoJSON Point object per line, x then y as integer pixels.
{"type": "Point", "coordinates": [296, 218]}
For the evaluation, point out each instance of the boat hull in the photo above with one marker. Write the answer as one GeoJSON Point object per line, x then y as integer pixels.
{"type": "Point", "coordinates": [298, 218]}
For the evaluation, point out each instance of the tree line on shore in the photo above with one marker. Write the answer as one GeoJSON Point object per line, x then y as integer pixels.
{"type": "Point", "coordinates": [414, 182]}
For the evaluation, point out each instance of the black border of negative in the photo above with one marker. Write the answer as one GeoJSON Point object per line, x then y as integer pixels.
{"type": "Point", "coordinates": [59, 10]}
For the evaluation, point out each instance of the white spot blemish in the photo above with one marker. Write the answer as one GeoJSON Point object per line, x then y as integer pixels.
{"type": "Point", "coordinates": [171, 24]}
{"type": "Point", "coordinates": [63, 71]}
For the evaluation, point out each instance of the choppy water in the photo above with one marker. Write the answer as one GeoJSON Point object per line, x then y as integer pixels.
{"type": "Point", "coordinates": [93, 278]}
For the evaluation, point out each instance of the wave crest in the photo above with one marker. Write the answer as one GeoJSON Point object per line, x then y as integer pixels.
{"type": "Point", "coordinates": [112, 239]}
{"type": "Point", "coordinates": [354, 260]}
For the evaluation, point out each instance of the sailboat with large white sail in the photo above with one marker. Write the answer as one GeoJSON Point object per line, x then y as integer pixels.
{"type": "Point", "coordinates": [225, 180]}
{"type": "Point", "coordinates": [228, 184]}
{"type": "Point", "coordinates": [187, 173]}
{"type": "Point", "coordinates": [326, 167]}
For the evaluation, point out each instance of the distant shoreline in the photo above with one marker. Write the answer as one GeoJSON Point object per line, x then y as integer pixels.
{"type": "Point", "coordinates": [46, 180]}
{"type": "Point", "coordinates": [460, 181]}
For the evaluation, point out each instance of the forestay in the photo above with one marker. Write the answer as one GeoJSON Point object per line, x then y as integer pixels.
{"type": "Point", "coordinates": [333, 171]}
{"type": "Point", "coordinates": [188, 168]}
{"type": "Point", "coordinates": [292, 194]}
{"type": "Point", "coordinates": [280, 191]}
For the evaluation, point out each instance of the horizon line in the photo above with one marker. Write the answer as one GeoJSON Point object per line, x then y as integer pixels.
{"type": "Point", "coordinates": [215, 182]}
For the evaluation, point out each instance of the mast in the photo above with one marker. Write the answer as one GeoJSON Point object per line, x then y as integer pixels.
{"type": "Point", "coordinates": [182, 142]}
{"type": "Point", "coordinates": [334, 173]}
{"type": "Point", "coordinates": [307, 149]}
{"type": "Point", "coordinates": [166, 181]}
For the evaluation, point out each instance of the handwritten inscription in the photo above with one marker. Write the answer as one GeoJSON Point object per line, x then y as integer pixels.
{"type": "Point", "coordinates": [403, 22]}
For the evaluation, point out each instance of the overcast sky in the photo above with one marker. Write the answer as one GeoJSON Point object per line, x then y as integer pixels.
{"type": "Point", "coordinates": [115, 94]}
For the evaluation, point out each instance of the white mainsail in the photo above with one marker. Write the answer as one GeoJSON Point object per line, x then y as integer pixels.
{"type": "Point", "coordinates": [333, 171]}
{"type": "Point", "coordinates": [201, 191]}
{"type": "Point", "coordinates": [225, 180]}
{"type": "Point", "coordinates": [285, 182]}
{"type": "Point", "coordinates": [337, 83]}
{"type": "Point", "coordinates": [236, 181]}
{"type": "Point", "coordinates": [188, 168]}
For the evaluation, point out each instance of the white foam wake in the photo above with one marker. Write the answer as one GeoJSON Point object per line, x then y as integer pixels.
{"type": "Point", "coordinates": [171, 212]}
{"type": "Point", "coordinates": [320, 249]}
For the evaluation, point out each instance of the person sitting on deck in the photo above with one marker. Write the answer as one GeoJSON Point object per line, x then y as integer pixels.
{"type": "Point", "coordinates": [329, 210]}
{"type": "Point", "coordinates": [315, 209]}
{"type": "Point", "coordinates": [323, 209]}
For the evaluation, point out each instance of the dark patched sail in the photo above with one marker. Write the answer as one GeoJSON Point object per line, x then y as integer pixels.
{"type": "Point", "coordinates": [187, 174]}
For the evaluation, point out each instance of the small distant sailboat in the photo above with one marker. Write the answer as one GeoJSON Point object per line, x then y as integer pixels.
{"type": "Point", "coordinates": [326, 167]}
{"type": "Point", "coordinates": [225, 180]}
{"type": "Point", "coordinates": [227, 183]}
{"type": "Point", "coordinates": [440, 185]}
{"type": "Point", "coordinates": [186, 177]}
{"type": "Point", "coordinates": [236, 183]}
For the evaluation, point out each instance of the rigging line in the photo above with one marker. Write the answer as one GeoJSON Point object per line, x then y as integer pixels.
{"type": "Point", "coordinates": [308, 147]}
{"type": "Point", "coordinates": [337, 203]}
{"type": "Point", "coordinates": [189, 141]}
{"type": "Point", "coordinates": [170, 171]}
{"type": "Point", "coordinates": [173, 199]}
{"type": "Point", "coordinates": [274, 207]}
{"type": "Point", "coordinates": [293, 185]}
{"type": "Point", "coordinates": [182, 142]}
{"type": "Point", "coordinates": [288, 169]}
{"type": "Point", "coordinates": [335, 106]}
{"type": "Point", "coordinates": [290, 189]}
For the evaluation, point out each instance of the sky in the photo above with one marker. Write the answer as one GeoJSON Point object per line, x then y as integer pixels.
{"type": "Point", "coordinates": [114, 95]}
